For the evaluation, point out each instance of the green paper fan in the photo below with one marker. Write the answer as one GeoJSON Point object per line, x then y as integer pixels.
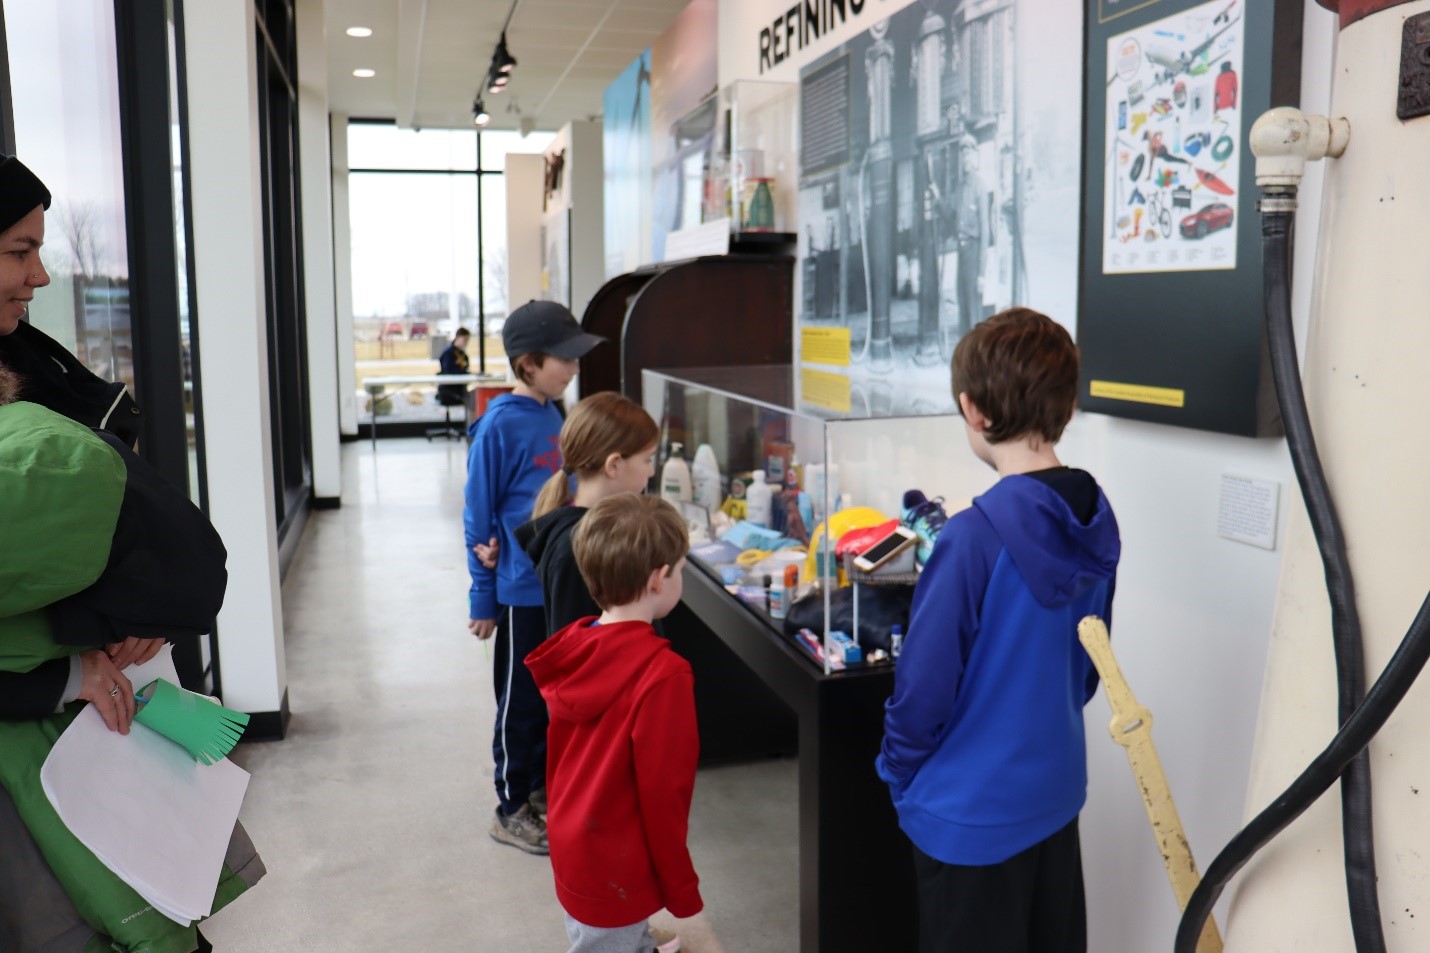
{"type": "Point", "coordinates": [200, 725]}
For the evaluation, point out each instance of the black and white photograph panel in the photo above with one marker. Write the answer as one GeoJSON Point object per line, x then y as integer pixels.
{"type": "Point", "coordinates": [939, 174]}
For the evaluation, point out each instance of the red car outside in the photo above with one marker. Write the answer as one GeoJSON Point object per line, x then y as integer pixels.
{"type": "Point", "coordinates": [1209, 219]}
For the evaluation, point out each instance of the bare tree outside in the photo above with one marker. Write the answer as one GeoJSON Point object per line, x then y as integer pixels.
{"type": "Point", "coordinates": [79, 226]}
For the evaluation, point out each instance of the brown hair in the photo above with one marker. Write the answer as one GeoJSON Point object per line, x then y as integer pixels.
{"type": "Point", "coordinates": [599, 426]}
{"type": "Point", "coordinates": [1020, 369]}
{"type": "Point", "coordinates": [10, 385]}
{"type": "Point", "coordinates": [622, 540]}
{"type": "Point", "coordinates": [526, 365]}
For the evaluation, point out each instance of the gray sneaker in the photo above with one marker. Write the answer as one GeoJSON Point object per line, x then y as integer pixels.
{"type": "Point", "coordinates": [522, 830]}
{"type": "Point", "coordinates": [538, 801]}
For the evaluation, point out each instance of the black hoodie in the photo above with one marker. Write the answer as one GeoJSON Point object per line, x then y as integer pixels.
{"type": "Point", "coordinates": [563, 592]}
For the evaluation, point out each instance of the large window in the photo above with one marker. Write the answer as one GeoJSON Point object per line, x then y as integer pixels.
{"type": "Point", "coordinates": [428, 213]}
{"type": "Point", "coordinates": [64, 71]}
{"type": "Point", "coordinates": [282, 260]}
{"type": "Point", "coordinates": [91, 98]}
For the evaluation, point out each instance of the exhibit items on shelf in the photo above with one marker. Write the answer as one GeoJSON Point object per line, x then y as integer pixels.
{"type": "Point", "coordinates": [1171, 288]}
{"type": "Point", "coordinates": [938, 183]}
{"type": "Point", "coordinates": [1173, 124]}
{"type": "Point", "coordinates": [818, 523]}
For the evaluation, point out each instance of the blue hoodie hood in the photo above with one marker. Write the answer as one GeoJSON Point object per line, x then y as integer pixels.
{"type": "Point", "coordinates": [1058, 556]}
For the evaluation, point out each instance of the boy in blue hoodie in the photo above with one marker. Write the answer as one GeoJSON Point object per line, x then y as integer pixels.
{"type": "Point", "coordinates": [983, 745]}
{"type": "Point", "coordinates": [514, 451]}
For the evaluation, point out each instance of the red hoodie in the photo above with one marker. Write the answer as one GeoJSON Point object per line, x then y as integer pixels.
{"type": "Point", "coordinates": [620, 771]}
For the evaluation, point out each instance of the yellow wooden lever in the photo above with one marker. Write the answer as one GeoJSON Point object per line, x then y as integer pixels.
{"type": "Point", "coordinates": [1131, 727]}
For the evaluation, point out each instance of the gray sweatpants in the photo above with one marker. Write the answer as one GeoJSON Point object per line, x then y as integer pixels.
{"type": "Point", "coordinates": [635, 938]}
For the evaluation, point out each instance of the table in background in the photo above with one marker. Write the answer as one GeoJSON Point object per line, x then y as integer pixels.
{"type": "Point", "coordinates": [488, 386]}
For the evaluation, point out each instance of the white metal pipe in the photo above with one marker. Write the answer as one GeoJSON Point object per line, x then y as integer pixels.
{"type": "Point", "coordinates": [1366, 387]}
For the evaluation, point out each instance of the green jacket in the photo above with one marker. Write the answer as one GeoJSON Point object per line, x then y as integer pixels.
{"type": "Point", "coordinates": [61, 487]}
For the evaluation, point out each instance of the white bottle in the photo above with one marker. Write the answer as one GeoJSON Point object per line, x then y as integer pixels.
{"type": "Point", "coordinates": [675, 477]}
{"type": "Point", "coordinates": [706, 474]}
{"type": "Point", "coordinates": [757, 500]}
{"type": "Point", "coordinates": [822, 483]}
{"type": "Point", "coordinates": [778, 598]}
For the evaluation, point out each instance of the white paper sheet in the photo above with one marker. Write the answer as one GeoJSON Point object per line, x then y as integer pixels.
{"type": "Point", "coordinates": [151, 813]}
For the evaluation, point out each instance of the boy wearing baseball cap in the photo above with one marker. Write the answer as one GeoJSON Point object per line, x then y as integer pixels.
{"type": "Point", "coordinates": [514, 451]}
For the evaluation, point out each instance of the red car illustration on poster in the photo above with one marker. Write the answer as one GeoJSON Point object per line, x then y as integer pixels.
{"type": "Point", "coordinates": [1212, 217]}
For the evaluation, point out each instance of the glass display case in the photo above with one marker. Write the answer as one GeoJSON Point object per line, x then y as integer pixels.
{"type": "Point", "coordinates": [754, 172]}
{"type": "Point", "coordinates": [783, 488]}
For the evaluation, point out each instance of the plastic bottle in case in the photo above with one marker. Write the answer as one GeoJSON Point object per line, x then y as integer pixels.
{"type": "Point", "coordinates": [705, 472]}
{"type": "Point", "coordinates": [675, 477]}
{"type": "Point", "coordinates": [757, 500]}
{"type": "Point", "coordinates": [779, 597]}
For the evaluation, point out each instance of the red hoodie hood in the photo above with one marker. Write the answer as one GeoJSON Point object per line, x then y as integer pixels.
{"type": "Point", "coordinates": [583, 668]}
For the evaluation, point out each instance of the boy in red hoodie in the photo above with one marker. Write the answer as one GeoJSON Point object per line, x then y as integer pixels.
{"type": "Point", "coordinates": [622, 743]}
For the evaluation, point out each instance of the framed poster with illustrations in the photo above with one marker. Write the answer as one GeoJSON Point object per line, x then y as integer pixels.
{"type": "Point", "coordinates": [1170, 299]}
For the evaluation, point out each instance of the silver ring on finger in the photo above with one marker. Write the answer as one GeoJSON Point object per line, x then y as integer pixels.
{"type": "Point", "coordinates": [114, 691]}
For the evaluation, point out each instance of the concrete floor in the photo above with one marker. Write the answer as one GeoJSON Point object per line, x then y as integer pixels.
{"type": "Point", "coordinates": [372, 815]}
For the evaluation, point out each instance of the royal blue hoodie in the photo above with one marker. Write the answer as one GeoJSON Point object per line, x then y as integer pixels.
{"type": "Point", "coordinates": [515, 449]}
{"type": "Point", "coordinates": [983, 746]}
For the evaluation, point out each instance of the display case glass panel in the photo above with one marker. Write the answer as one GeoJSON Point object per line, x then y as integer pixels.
{"type": "Point", "coordinates": [849, 469]}
{"type": "Point", "coordinates": [754, 171]}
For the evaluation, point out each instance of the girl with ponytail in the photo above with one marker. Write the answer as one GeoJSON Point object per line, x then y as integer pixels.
{"type": "Point", "coordinates": [608, 444]}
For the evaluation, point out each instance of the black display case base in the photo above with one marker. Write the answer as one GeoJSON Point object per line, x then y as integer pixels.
{"type": "Point", "coordinates": [856, 877]}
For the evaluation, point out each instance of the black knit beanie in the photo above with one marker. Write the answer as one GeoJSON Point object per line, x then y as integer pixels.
{"type": "Point", "coordinates": [20, 191]}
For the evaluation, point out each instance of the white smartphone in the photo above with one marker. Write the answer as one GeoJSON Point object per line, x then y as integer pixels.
{"type": "Point", "coordinates": [885, 549]}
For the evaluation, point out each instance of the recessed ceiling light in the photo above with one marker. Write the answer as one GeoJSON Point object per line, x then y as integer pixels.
{"type": "Point", "coordinates": [364, 73]}
{"type": "Point", "coordinates": [359, 31]}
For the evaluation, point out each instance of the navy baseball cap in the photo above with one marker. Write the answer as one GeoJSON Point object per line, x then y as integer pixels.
{"type": "Point", "coordinates": [20, 191]}
{"type": "Point", "coordinates": [545, 327]}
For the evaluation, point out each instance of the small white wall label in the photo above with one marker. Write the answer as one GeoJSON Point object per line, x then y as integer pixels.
{"type": "Point", "coordinates": [1247, 512]}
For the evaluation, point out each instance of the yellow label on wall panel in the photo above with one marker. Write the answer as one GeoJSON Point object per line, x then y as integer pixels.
{"type": "Point", "coordinates": [825, 390]}
{"type": "Point", "coordinates": [1139, 393]}
{"type": "Point", "coordinates": [824, 346]}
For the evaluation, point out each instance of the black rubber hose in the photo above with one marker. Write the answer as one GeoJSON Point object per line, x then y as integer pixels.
{"type": "Point", "coordinates": [1357, 824]}
{"type": "Point", "coordinates": [1368, 719]}
{"type": "Point", "coordinates": [1356, 807]}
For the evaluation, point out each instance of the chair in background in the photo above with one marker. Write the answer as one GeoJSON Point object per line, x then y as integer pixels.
{"type": "Point", "coordinates": [449, 396]}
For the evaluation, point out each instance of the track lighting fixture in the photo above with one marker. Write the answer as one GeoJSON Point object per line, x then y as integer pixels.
{"type": "Point", "coordinates": [480, 116]}
{"type": "Point", "coordinates": [502, 60]}
{"type": "Point", "coordinates": [499, 72]}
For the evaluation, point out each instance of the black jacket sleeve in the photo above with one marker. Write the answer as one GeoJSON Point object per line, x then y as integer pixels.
{"type": "Point", "coordinates": [166, 573]}
{"type": "Point", "coordinates": [566, 596]}
{"type": "Point", "coordinates": [35, 693]}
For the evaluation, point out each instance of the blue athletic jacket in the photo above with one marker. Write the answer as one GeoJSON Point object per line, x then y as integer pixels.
{"type": "Point", "coordinates": [515, 449]}
{"type": "Point", "coordinates": [983, 746]}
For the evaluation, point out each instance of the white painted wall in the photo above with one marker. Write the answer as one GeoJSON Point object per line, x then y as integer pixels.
{"type": "Point", "coordinates": [1193, 612]}
{"type": "Point", "coordinates": [524, 180]}
{"type": "Point", "coordinates": [343, 278]}
{"type": "Point", "coordinates": [228, 262]}
{"type": "Point", "coordinates": [583, 192]}
{"type": "Point", "coordinates": [317, 216]}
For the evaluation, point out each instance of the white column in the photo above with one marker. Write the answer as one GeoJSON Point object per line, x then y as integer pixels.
{"type": "Point", "coordinates": [343, 275]}
{"type": "Point", "coordinates": [588, 229]}
{"type": "Point", "coordinates": [221, 64]}
{"type": "Point", "coordinates": [524, 177]}
{"type": "Point", "coordinates": [315, 174]}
